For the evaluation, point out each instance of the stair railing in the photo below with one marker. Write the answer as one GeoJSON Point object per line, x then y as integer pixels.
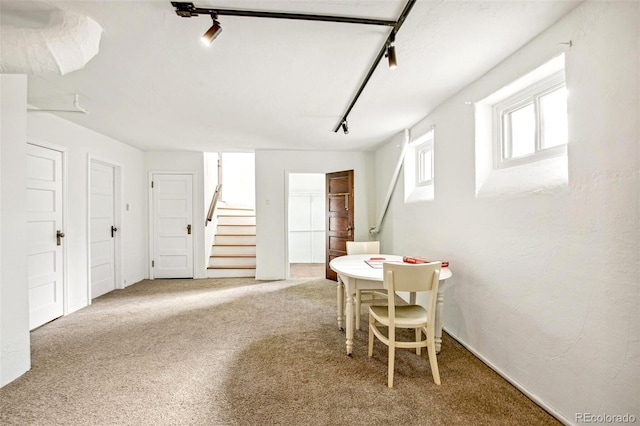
{"type": "Point", "coordinates": [394, 178]}
{"type": "Point", "coordinates": [212, 206]}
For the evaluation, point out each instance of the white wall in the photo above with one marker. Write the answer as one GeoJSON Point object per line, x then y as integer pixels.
{"type": "Point", "coordinates": [191, 162]}
{"type": "Point", "coordinates": [272, 169]}
{"type": "Point", "coordinates": [14, 297]}
{"type": "Point", "coordinates": [545, 284]}
{"type": "Point", "coordinates": [81, 143]}
{"type": "Point", "coordinates": [238, 179]}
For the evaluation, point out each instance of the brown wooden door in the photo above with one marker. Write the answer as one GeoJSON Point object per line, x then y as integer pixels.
{"type": "Point", "coordinates": [339, 223]}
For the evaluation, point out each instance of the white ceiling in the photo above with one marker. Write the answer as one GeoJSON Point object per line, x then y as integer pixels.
{"type": "Point", "coordinates": [271, 83]}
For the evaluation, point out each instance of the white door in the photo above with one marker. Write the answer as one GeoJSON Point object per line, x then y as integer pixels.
{"type": "Point", "coordinates": [103, 229]}
{"type": "Point", "coordinates": [45, 235]}
{"type": "Point", "coordinates": [172, 222]}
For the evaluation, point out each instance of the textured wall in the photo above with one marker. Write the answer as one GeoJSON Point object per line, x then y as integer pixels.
{"type": "Point", "coordinates": [66, 44]}
{"type": "Point", "coordinates": [545, 284]}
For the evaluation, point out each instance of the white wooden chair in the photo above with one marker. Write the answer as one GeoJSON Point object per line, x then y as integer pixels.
{"type": "Point", "coordinates": [371, 295]}
{"type": "Point", "coordinates": [410, 278]}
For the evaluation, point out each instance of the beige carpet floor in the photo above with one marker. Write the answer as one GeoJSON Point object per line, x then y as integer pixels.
{"type": "Point", "coordinates": [242, 352]}
{"type": "Point", "coordinates": [306, 270]}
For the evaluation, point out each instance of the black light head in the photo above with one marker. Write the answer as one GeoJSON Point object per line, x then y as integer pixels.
{"type": "Point", "coordinates": [345, 127]}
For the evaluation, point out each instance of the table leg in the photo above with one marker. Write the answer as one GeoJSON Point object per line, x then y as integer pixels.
{"type": "Point", "coordinates": [350, 319]}
{"type": "Point", "coordinates": [340, 302]}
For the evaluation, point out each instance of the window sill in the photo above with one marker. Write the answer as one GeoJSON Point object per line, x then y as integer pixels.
{"type": "Point", "coordinates": [544, 176]}
{"type": "Point", "coordinates": [420, 193]}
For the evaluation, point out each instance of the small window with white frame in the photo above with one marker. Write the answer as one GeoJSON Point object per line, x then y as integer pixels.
{"type": "Point", "coordinates": [424, 163]}
{"type": "Point", "coordinates": [532, 124]}
{"type": "Point", "coordinates": [419, 168]}
{"type": "Point", "coordinates": [521, 134]}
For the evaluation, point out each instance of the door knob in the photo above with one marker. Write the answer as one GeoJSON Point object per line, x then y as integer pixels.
{"type": "Point", "coordinates": [113, 230]}
{"type": "Point", "coordinates": [59, 235]}
{"type": "Point", "coordinates": [189, 229]}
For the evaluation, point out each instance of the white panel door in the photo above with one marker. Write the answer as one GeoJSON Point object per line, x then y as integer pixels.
{"type": "Point", "coordinates": [172, 221]}
{"type": "Point", "coordinates": [44, 234]}
{"type": "Point", "coordinates": [103, 230]}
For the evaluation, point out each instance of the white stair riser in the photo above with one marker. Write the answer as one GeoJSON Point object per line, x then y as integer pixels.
{"type": "Point", "coordinates": [236, 229]}
{"type": "Point", "coordinates": [232, 261]}
{"type": "Point", "coordinates": [236, 220]}
{"type": "Point", "coordinates": [234, 239]}
{"type": "Point", "coordinates": [230, 273]}
{"type": "Point", "coordinates": [234, 250]}
{"type": "Point", "coordinates": [237, 212]}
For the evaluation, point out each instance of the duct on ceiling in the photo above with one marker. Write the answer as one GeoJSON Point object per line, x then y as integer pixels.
{"type": "Point", "coordinates": [66, 44]}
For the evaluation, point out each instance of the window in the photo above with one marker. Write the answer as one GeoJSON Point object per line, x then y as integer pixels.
{"type": "Point", "coordinates": [419, 169]}
{"type": "Point", "coordinates": [532, 123]}
{"type": "Point", "coordinates": [424, 163]}
{"type": "Point", "coordinates": [521, 134]}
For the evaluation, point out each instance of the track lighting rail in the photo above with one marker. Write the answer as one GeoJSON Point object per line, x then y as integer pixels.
{"type": "Point", "coordinates": [383, 50]}
{"type": "Point", "coordinates": [188, 10]}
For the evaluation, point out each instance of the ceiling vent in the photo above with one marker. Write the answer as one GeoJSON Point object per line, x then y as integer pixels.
{"type": "Point", "coordinates": [66, 44]}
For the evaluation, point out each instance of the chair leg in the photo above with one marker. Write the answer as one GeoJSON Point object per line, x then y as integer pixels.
{"type": "Point", "coordinates": [371, 320]}
{"type": "Point", "coordinates": [358, 308]}
{"type": "Point", "coordinates": [392, 355]}
{"type": "Point", "coordinates": [433, 361]}
{"type": "Point", "coordinates": [418, 336]}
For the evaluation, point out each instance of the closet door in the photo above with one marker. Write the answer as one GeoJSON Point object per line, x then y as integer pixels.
{"type": "Point", "coordinates": [44, 234]}
{"type": "Point", "coordinates": [103, 229]}
{"type": "Point", "coordinates": [172, 196]}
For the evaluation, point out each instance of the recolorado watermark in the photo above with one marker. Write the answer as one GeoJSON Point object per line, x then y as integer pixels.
{"type": "Point", "coordinates": [605, 418]}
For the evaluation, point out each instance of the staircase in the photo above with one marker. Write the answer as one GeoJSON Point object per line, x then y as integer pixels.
{"type": "Point", "coordinates": [234, 247]}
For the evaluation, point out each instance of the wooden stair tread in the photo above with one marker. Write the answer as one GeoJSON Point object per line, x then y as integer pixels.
{"type": "Point", "coordinates": [234, 237]}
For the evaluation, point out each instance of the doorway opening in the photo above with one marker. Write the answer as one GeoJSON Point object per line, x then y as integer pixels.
{"type": "Point", "coordinates": [306, 225]}
{"type": "Point", "coordinates": [230, 228]}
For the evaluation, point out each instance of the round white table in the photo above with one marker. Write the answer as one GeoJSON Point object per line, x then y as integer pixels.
{"type": "Point", "coordinates": [354, 272]}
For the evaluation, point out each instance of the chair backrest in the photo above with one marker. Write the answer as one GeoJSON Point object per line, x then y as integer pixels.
{"type": "Point", "coordinates": [412, 278]}
{"type": "Point", "coordinates": [363, 247]}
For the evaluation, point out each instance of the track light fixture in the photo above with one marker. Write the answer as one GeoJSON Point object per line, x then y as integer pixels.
{"type": "Point", "coordinates": [391, 56]}
{"type": "Point", "coordinates": [188, 10]}
{"type": "Point", "coordinates": [212, 32]}
{"type": "Point", "coordinates": [345, 126]}
{"type": "Point", "coordinates": [391, 51]}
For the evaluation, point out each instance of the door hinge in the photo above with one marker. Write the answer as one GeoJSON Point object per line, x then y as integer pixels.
{"type": "Point", "coordinates": [151, 184]}
{"type": "Point", "coordinates": [153, 263]}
